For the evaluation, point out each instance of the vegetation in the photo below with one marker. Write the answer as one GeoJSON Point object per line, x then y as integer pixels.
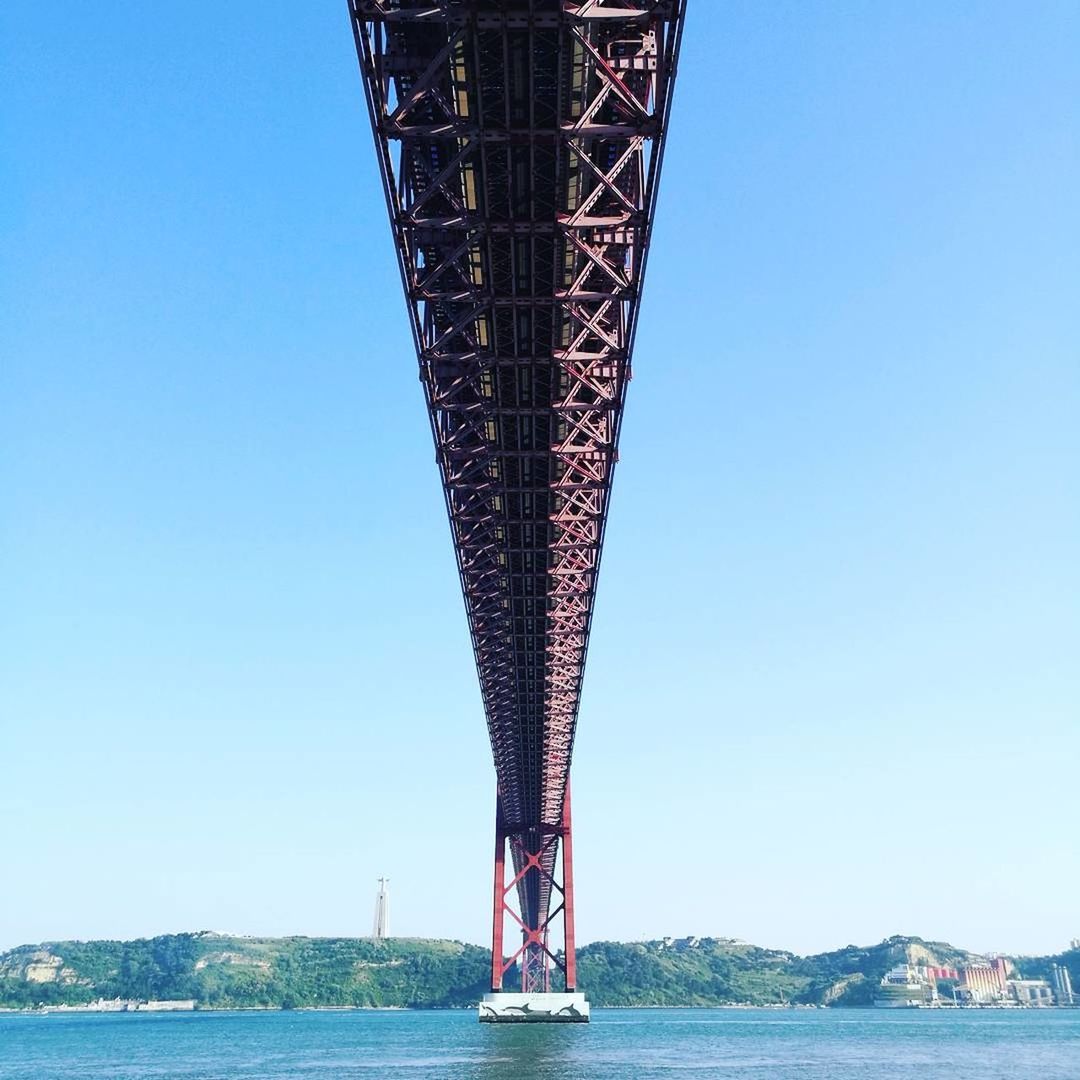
{"type": "Point", "coordinates": [709, 971]}
{"type": "Point", "coordinates": [238, 972]}
{"type": "Point", "coordinates": [219, 971]}
{"type": "Point", "coordinates": [1039, 967]}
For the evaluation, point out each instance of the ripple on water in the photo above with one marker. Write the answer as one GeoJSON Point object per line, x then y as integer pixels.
{"type": "Point", "coordinates": [619, 1045]}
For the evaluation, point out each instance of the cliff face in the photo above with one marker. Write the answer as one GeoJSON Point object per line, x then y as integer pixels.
{"type": "Point", "coordinates": [219, 971]}
{"type": "Point", "coordinates": [36, 965]}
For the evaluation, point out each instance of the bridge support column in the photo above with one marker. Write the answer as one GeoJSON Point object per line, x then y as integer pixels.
{"type": "Point", "coordinates": [570, 940]}
{"type": "Point", "coordinates": [531, 849]}
{"type": "Point", "coordinates": [497, 969]}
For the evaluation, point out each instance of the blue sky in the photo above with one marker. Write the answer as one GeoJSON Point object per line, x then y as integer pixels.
{"type": "Point", "coordinates": [833, 685]}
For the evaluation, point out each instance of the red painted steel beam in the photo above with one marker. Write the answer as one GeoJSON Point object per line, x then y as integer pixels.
{"type": "Point", "coordinates": [570, 938]}
{"type": "Point", "coordinates": [535, 952]}
{"type": "Point", "coordinates": [520, 145]}
{"type": "Point", "coordinates": [497, 920]}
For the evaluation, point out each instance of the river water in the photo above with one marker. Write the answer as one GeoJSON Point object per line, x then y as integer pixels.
{"type": "Point", "coordinates": [621, 1044]}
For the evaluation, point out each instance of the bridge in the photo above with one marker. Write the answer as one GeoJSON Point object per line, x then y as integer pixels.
{"type": "Point", "coordinates": [520, 144]}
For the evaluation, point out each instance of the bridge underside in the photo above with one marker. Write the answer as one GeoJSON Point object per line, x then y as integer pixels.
{"type": "Point", "coordinates": [520, 143]}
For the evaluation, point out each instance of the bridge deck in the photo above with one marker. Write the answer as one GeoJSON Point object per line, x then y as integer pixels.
{"type": "Point", "coordinates": [520, 144]}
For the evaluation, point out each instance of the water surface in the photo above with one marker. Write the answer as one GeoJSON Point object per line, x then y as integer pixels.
{"type": "Point", "coordinates": [733, 1044]}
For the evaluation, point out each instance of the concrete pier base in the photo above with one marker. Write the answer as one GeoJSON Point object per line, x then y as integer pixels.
{"type": "Point", "coordinates": [506, 1008]}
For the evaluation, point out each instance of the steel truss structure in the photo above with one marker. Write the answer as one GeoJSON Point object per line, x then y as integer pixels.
{"type": "Point", "coordinates": [520, 143]}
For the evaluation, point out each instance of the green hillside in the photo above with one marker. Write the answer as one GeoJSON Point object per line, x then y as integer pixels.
{"type": "Point", "coordinates": [220, 971]}
{"type": "Point", "coordinates": [225, 972]}
{"type": "Point", "coordinates": [690, 971]}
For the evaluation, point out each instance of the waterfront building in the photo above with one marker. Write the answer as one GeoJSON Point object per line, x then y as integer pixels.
{"type": "Point", "coordinates": [118, 1005]}
{"type": "Point", "coordinates": [984, 981]}
{"type": "Point", "coordinates": [1063, 991]}
{"type": "Point", "coordinates": [904, 988]}
{"type": "Point", "coordinates": [1033, 993]}
{"type": "Point", "coordinates": [937, 973]}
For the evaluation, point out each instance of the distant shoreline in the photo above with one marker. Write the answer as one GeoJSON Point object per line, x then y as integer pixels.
{"type": "Point", "coordinates": [736, 1007]}
{"type": "Point", "coordinates": [210, 972]}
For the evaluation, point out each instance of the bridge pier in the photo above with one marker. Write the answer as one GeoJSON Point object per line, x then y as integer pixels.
{"type": "Point", "coordinates": [534, 851]}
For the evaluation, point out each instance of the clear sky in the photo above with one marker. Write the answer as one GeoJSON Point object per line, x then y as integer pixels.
{"type": "Point", "coordinates": [833, 688]}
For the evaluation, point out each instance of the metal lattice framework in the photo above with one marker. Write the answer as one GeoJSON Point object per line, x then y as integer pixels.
{"type": "Point", "coordinates": [520, 143]}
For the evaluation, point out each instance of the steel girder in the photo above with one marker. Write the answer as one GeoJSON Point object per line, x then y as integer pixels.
{"type": "Point", "coordinates": [520, 143]}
